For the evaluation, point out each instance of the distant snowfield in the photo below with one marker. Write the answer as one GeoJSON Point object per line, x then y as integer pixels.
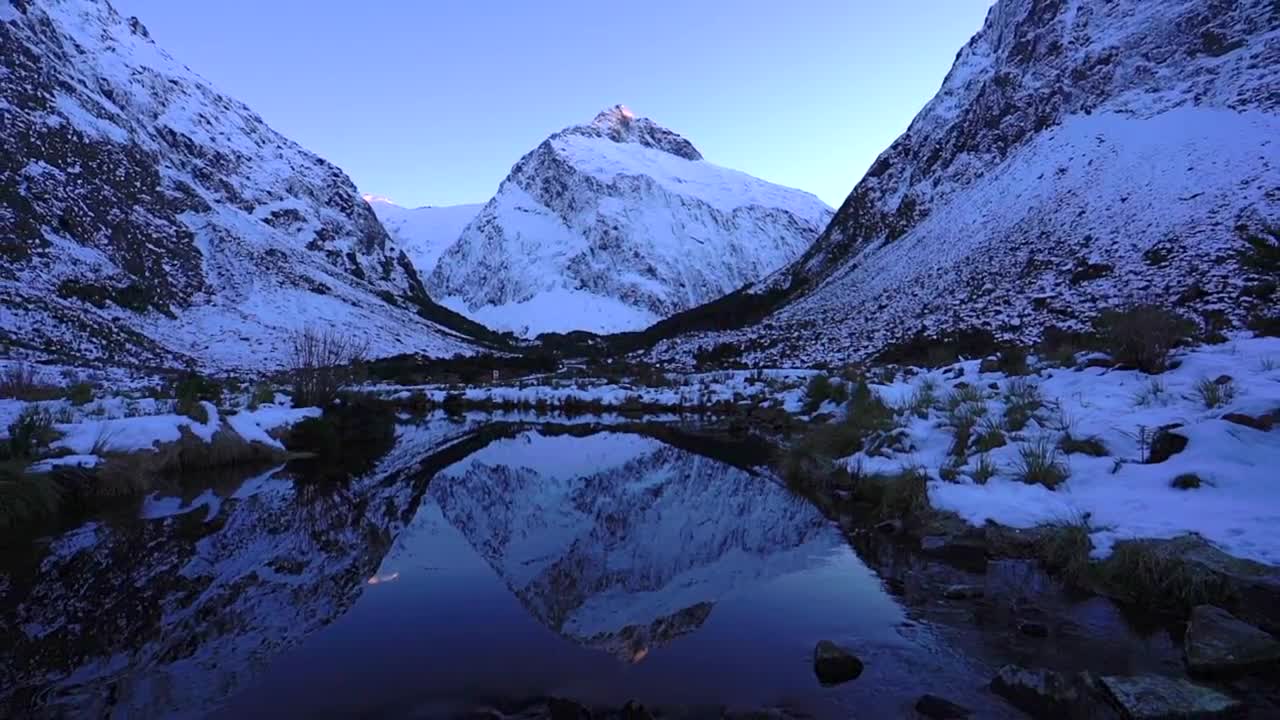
{"type": "Point", "coordinates": [1237, 508]}
{"type": "Point", "coordinates": [557, 310]}
{"type": "Point", "coordinates": [424, 233]}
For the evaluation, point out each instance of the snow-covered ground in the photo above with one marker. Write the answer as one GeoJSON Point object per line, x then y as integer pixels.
{"type": "Point", "coordinates": [1237, 507]}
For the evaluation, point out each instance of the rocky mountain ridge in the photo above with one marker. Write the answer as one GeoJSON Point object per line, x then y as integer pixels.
{"type": "Point", "coordinates": [1080, 155]}
{"type": "Point", "coordinates": [147, 218]}
{"type": "Point", "coordinates": [611, 225]}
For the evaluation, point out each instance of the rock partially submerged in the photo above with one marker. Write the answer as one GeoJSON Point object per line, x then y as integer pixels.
{"type": "Point", "coordinates": [1153, 697]}
{"type": "Point", "coordinates": [1218, 643]}
{"type": "Point", "coordinates": [1039, 692]}
{"type": "Point", "coordinates": [834, 665]}
{"type": "Point", "coordinates": [937, 708]}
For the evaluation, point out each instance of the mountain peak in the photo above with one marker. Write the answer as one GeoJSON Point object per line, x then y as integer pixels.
{"type": "Point", "coordinates": [621, 125]}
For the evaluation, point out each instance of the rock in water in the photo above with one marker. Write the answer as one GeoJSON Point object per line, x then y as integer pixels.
{"type": "Point", "coordinates": [1152, 697]}
{"type": "Point", "coordinates": [1219, 643]}
{"type": "Point", "coordinates": [932, 706]}
{"type": "Point", "coordinates": [834, 665]}
{"type": "Point", "coordinates": [1038, 692]}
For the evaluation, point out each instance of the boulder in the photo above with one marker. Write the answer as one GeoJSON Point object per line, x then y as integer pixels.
{"type": "Point", "coordinates": [1165, 445]}
{"type": "Point", "coordinates": [1154, 697]}
{"type": "Point", "coordinates": [1218, 643]}
{"type": "Point", "coordinates": [834, 665]}
{"type": "Point", "coordinates": [1261, 422]}
{"type": "Point", "coordinates": [937, 708]}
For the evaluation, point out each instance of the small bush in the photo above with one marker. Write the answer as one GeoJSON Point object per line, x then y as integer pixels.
{"type": "Point", "coordinates": [80, 393]}
{"type": "Point", "coordinates": [1012, 361]}
{"type": "Point", "coordinates": [192, 389]}
{"type": "Point", "coordinates": [348, 439]}
{"type": "Point", "coordinates": [1143, 335]}
{"type": "Point", "coordinates": [821, 389]}
{"type": "Point", "coordinates": [321, 363]}
{"type": "Point", "coordinates": [1215, 394]}
{"type": "Point", "coordinates": [1040, 463]}
{"type": "Point", "coordinates": [263, 394]}
{"type": "Point", "coordinates": [30, 432]}
{"type": "Point", "coordinates": [1186, 481]}
{"type": "Point", "coordinates": [1064, 549]}
{"type": "Point", "coordinates": [1263, 252]}
{"type": "Point", "coordinates": [1092, 445]}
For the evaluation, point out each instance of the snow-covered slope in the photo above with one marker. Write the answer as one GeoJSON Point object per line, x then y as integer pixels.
{"type": "Point", "coordinates": [1080, 154]}
{"type": "Point", "coordinates": [145, 217]}
{"type": "Point", "coordinates": [611, 225]}
{"type": "Point", "coordinates": [621, 542]}
{"type": "Point", "coordinates": [424, 233]}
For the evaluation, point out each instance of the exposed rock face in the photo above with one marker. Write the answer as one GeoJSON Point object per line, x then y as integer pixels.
{"type": "Point", "coordinates": [612, 225]}
{"type": "Point", "coordinates": [1080, 154]}
{"type": "Point", "coordinates": [145, 217]}
{"type": "Point", "coordinates": [1218, 643]}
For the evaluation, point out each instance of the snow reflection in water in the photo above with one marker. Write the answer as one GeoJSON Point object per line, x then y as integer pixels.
{"type": "Point", "coordinates": [603, 567]}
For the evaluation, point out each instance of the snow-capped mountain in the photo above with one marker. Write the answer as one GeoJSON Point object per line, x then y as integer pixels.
{"type": "Point", "coordinates": [622, 542]}
{"type": "Point", "coordinates": [612, 225]}
{"type": "Point", "coordinates": [1080, 154]}
{"type": "Point", "coordinates": [424, 233]}
{"type": "Point", "coordinates": [146, 217]}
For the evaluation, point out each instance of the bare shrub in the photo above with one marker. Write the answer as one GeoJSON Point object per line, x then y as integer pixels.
{"type": "Point", "coordinates": [1142, 335]}
{"type": "Point", "coordinates": [321, 362]}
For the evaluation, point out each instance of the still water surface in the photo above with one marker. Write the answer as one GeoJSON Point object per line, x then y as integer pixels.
{"type": "Point", "coordinates": [476, 566]}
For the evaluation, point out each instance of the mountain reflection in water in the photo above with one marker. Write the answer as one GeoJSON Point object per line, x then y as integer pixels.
{"type": "Point", "coordinates": [476, 564]}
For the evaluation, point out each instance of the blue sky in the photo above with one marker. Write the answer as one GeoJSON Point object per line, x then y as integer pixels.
{"type": "Point", "coordinates": [430, 102]}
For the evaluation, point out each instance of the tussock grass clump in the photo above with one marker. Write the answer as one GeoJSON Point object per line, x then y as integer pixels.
{"type": "Point", "coordinates": [1092, 445]}
{"type": "Point", "coordinates": [1143, 335]}
{"type": "Point", "coordinates": [80, 393]}
{"type": "Point", "coordinates": [809, 459]}
{"type": "Point", "coordinates": [990, 436]}
{"type": "Point", "coordinates": [21, 382]}
{"type": "Point", "coordinates": [985, 469]}
{"type": "Point", "coordinates": [900, 495]}
{"type": "Point", "coordinates": [1040, 463]}
{"type": "Point", "coordinates": [1022, 401]}
{"type": "Point", "coordinates": [962, 419]}
{"type": "Point", "coordinates": [1186, 481]}
{"type": "Point", "coordinates": [1064, 549]}
{"type": "Point", "coordinates": [26, 500]}
{"type": "Point", "coordinates": [906, 493]}
{"type": "Point", "coordinates": [1214, 394]}
{"type": "Point", "coordinates": [30, 432]}
{"type": "Point", "coordinates": [923, 398]}
{"type": "Point", "coordinates": [1153, 574]}
{"type": "Point", "coordinates": [965, 395]}
{"type": "Point", "coordinates": [1153, 392]}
